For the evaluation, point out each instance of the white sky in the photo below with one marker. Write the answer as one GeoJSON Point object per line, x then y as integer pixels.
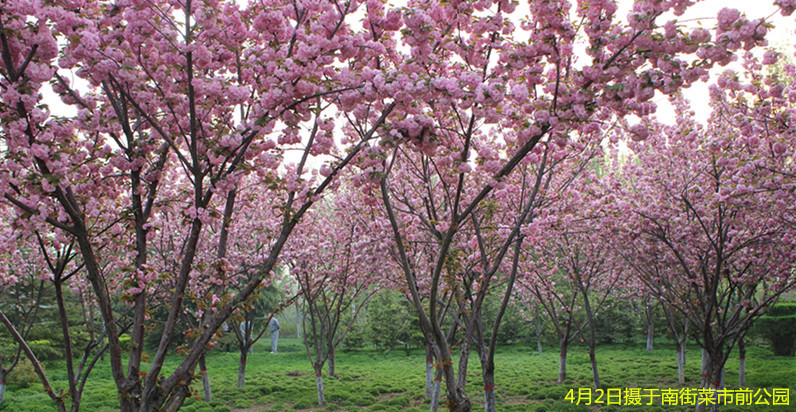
{"type": "Point", "coordinates": [781, 37]}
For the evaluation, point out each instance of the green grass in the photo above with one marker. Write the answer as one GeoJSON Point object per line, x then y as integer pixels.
{"type": "Point", "coordinates": [372, 381]}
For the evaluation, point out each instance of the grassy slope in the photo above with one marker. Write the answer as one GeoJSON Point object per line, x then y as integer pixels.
{"type": "Point", "coordinates": [371, 380]}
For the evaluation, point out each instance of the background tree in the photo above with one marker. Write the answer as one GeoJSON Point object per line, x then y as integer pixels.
{"type": "Point", "coordinates": [549, 95]}
{"type": "Point", "coordinates": [173, 104]}
{"type": "Point", "coordinates": [712, 247]}
{"type": "Point", "coordinates": [572, 253]}
{"type": "Point", "coordinates": [189, 91]}
{"type": "Point", "coordinates": [777, 326]}
{"type": "Point", "coordinates": [336, 264]}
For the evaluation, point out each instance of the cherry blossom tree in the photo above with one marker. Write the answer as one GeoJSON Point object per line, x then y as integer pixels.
{"type": "Point", "coordinates": [225, 266]}
{"type": "Point", "coordinates": [567, 268]}
{"type": "Point", "coordinates": [679, 325]}
{"type": "Point", "coordinates": [200, 93]}
{"type": "Point", "coordinates": [39, 267]}
{"type": "Point", "coordinates": [549, 95]}
{"type": "Point", "coordinates": [336, 260]}
{"type": "Point", "coordinates": [171, 104]}
{"type": "Point", "coordinates": [532, 311]}
{"type": "Point", "coordinates": [710, 232]}
{"type": "Point", "coordinates": [26, 291]}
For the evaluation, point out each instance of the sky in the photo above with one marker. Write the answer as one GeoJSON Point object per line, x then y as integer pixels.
{"type": "Point", "coordinates": [781, 38]}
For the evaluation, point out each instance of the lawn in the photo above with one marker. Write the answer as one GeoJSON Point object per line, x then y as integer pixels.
{"type": "Point", "coordinates": [372, 380]}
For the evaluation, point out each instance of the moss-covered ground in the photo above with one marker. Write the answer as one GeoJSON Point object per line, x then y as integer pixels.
{"type": "Point", "coordinates": [374, 381]}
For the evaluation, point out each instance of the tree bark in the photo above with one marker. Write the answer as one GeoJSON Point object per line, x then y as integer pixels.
{"type": "Point", "coordinates": [592, 337]}
{"type": "Point", "coordinates": [741, 363]}
{"type": "Point", "coordinates": [175, 401]}
{"type": "Point", "coordinates": [489, 398]}
{"type": "Point", "coordinates": [713, 375]}
{"type": "Point", "coordinates": [650, 335]}
{"type": "Point", "coordinates": [539, 343]}
{"type": "Point", "coordinates": [705, 371]}
{"type": "Point", "coordinates": [242, 367]}
{"type": "Point", "coordinates": [429, 373]}
{"type": "Point", "coordinates": [70, 370]}
{"type": "Point", "coordinates": [2, 386]}
{"type": "Point", "coordinates": [330, 360]}
{"type": "Point", "coordinates": [595, 373]}
{"type": "Point", "coordinates": [684, 346]}
{"type": "Point", "coordinates": [208, 395]}
{"type": "Point", "coordinates": [562, 362]}
{"type": "Point", "coordinates": [681, 363]}
{"type": "Point", "coordinates": [319, 386]}
{"type": "Point", "coordinates": [435, 393]}
{"type": "Point", "coordinates": [299, 321]}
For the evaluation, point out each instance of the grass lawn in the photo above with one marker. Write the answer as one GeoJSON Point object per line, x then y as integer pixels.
{"type": "Point", "coordinates": [374, 381]}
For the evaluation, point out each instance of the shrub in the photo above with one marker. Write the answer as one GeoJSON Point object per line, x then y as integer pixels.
{"type": "Point", "coordinates": [392, 323]}
{"type": "Point", "coordinates": [616, 322]}
{"type": "Point", "coordinates": [779, 328]}
{"type": "Point", "coordinates": [45, 350]}
{"type": "Point", "coordinates": [513, 327]}
{"type": "Point", "coordinates": [357, 334]}
{"type": "Point", "coordinates": [303, 404]}
{"type": "Point", "coordinates": [23, 374]}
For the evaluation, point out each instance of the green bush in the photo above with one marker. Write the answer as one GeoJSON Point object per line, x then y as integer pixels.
{"type": "Point", "coordinates": [157, 322]}
{"type": "Point", "coordinates": [392, 322]}
{"type": "Point", "coordinates": [616, 323]}
{"type": "Point", "coordinates": [779, 328]}
{"type": "Point", "coordinates": [23, 374]}
{"type": "Point", "coordinates": [357, 334]}
{"type": "Point", "coordinates": [303, 404]}
{"type": "Point", "coordinates": [513, 327]}
{"type": "Point", "coordinates": [45, 350]}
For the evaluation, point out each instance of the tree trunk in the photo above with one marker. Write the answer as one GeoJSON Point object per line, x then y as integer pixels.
{"type": "Point", "coordinates": [457, 398]}
{"type": "Point", "coordinates": [705, 382]}
{"type": "Point", "coordinates": [539, 343]}
{"type": "Point", "coordinates": [562, 362]}
{"type": "Point", "coordinates": [208, 395]}
{"type": "Point", "coordinates": [174, 403]}
{"type": "Point", "coordinates": [684, 345]}
{"type": "Point", "coordinates": [319, 385]}
{"type": "Point", "coordinates": [713, 374]}
{"type": "Point", "coordinates": [650, 335]}
{"type": "Point", "coordinates": [593, 360]}
{"type": "Point", "coordinates": [592, 336]}
{"type": "Point", "coordinates": [680, 363]}
{"type": "Point", "coordinates": [463, 406]}
{"type": "Point", "coordinates": [488, 373]}
{"type": "Point", "coordinates": [331, 364]}
{"type": "Point", "coordinates": [741, 363]}
{"type": "Point", "coordinates": [717, 378]}
{"type": "Point", "coordinates": [242, 367]}
{"type": "Point", "coordinates": [299, 321]}
{"type": "Point", "coordinates": [429, 373]}
{"type": "Point", "coordinates": [705, 371]}
{"type": "Point", "coordinates": [70, 370]}
{"type": "Point", "coordinates": [489, 398]}
{"type": "Point", "coordinates": [2, 387]}
{"type": "Point", "coordinates": [435, 394]}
